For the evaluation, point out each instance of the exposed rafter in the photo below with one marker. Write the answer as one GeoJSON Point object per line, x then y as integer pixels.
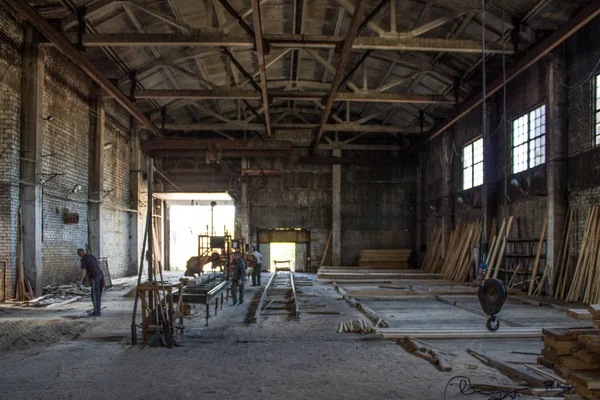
{"type": "Point", "coordinates": [217, 39]}
{"type": "Point", "coordinates": [234, 93]}
{"type": "Point", "coordinates": [59, 40]}
{"type": "Point", "coordinates": [260, 54]}
{"type": "Point", "coordinates": [343, 127]}
{"type": "Point", "coordinates": [357, 19]}
{"type": "Point", "coordinates": [534, 55]}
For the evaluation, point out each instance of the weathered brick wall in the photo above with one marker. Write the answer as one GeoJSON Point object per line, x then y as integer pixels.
{"type": "Point", "coordinates": [583, 52]}
{"type": "Point", "coordinates": [11, 40]}
{"type": "Point", "coordinates": [116, 205]}
{"type": "Point", "coordinates": [378, 208]}
{"type": "Point", "coordinates": [65, 165]}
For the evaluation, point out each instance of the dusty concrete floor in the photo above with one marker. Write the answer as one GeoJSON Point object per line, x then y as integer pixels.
{"type": "Point", "coordinates": [45, 354]}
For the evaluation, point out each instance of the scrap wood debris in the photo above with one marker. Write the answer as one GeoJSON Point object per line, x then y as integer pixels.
{"type": "Point", "coordinates": [431, 354]}
{"type": "Point", "coordinates": [356, 326]}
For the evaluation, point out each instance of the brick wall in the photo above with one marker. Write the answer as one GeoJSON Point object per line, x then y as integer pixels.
{"type": "Point", "coordinates": [65, 165]}
{"type": "Point", "coordinates": [11, 40]}
{"type": "Point", "coordinates": [116, 204]}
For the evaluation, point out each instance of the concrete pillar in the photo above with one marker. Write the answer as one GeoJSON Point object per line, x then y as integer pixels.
{"type": "Point", "coordinates": [490, 162]}
{"type": "Point", "coordinates": [167, 235]}
{"type": "Point", "coordinates": [447, 210]}
{"type": "Point", "coordinates": [96, 177]}
{"type": "Point", "coordinates": [32, 134]}
{"type": "Point", "coordinates": [336, 212]}
{"type": "Point", "coordinates": [136, 221]}
{"type": "Point", "coordinates": [557, 153]}
{"type": "Point", "coordinates": [244, 212]}
{"type": "Point", "coordinates": [420, 228]}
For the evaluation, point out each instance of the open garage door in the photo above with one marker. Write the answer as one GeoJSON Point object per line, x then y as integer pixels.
{"type": "Point", "coordinates": [299, 239]}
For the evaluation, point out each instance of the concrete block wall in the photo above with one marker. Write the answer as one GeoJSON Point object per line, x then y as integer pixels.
{"type": "Point", "coordinates": [11, 40]}
{"type": "Point", "coordinates": [378, 208]}
{"type": "Point", "coordinates": [299, 198]}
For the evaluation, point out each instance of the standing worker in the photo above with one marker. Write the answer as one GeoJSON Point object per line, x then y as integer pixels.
{"type": "Point", "coordinates": [238, 276]}
{"type": "Point", "coordinates": [256, 272]}
{"type": "Point", "coordinates": [91, 268]}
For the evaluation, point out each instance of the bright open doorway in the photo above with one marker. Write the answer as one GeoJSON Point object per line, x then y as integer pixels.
{"type": "Point", "coordinates": [282, 252]}
{"type": "Point", "coordinates": [191, 214]}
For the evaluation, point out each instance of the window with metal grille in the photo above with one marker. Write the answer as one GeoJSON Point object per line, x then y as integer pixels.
{"type": "Point", "coordinates": [529, 140]}
{"type": "Point", "coordinates": [597, 111]}
{"type": "Point", "coordinates": [472, 158]}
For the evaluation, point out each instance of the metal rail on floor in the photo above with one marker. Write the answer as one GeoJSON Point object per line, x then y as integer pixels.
{"type": "Point", "coordinates": [264, 295]}
{"type": "Point", "coordinates": [296, 304]}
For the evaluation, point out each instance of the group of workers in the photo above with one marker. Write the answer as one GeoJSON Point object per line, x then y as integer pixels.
{"type": "Point", "coordinates": [91, 268]}
{"type": "Point", "coordinates": [239, 276]}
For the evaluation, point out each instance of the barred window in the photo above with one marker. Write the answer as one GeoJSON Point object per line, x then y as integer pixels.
{"type": "Point", "coordinates": [529, 140]}
{"type": "Point", "coordinates": [472, 158]}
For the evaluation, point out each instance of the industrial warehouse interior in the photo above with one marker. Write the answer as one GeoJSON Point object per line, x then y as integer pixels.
{"type": "Point", "coordinates": [294, 199]}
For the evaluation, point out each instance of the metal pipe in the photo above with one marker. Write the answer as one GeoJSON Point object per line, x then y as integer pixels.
{"type": "Point", "coordinates": [296, 305]}
{"type": "Point", "coordinates": [133, 326]}
{"type": "Point", "coordinates": [263, 296]}
{"type": "Point", "coordinates": [150, 226]}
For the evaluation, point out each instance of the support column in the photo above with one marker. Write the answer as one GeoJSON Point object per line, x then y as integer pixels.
{"type": "Point", "coordinates": [244, 216]}
{"type": "Point", "coordinates": [447, 189]}
{"type": "Point", "coordinates": [96, 178]}
{"type": "Point", "coordinates": [32, 134]}
{"type": "Point", "coordinates": [336, 212]}
{"type": "Point", "coordinates": [557, 153]}
{"type": "Point", "coordinates": [490, 162]}
{"type": "Point", "coordinates": [150, 219]}
{"type": "Point", "coordinates": [167, 235]}
{"type": "Point", "coordinates": [420, 229]}
{"type": "Point", "coordinates": [135, 219]}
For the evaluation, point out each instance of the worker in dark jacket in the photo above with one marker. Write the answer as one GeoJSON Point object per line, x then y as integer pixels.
{"type": "Point", "coordinates": [238, 276]}
{"type": "Point", "coordinates": [91, 268]}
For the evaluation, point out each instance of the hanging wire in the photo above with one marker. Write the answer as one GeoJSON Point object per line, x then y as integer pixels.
{"type": "Point", "coordinates": [507, 146]}
{"type": "Point", "coordinates": [483, 132]}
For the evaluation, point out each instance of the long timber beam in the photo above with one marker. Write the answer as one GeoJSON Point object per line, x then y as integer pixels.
{"type": "Point", "coordinates": [234, 94]}
{"type": "Point", "coordinates": [344, 127]}
{"type": "Point", "coordinates": [218, 39]}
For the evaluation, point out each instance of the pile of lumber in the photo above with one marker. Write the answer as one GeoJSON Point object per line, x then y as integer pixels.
{"type": "Point", "coordinates": [585, 286]}
{"type": "Point", "coordinates": [574, 354]}
{"type": "Point", "coordinates": [361, 274]}
{"type": "Point", "coordinates": [355, 326]}
{"type": "Point", "coordinates": [433, 258]}
{"type": "Point", "coordinates": [67, 290]}
{"type": "Point", "coordinates": [384, 258]}
{"type": "Point", "coordinates": [459, 333]}
{"type": "Point", "coordinates": [458, 261]}
{"type": "Point", "coordinates": [498, 248]}
{"type": "Point", "coordinates": [561, 274]}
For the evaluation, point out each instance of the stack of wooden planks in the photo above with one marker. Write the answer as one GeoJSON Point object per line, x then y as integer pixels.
{"type": "Point", "coordinates": [393, 259]}
{"type": "Point", "coordinates": [561, 274]}
{"type": "Point", "coordinates": [433, 260]}
{"type": "Point", "coordinates": [375, 275]}
{"type": "Point", "coordinates": [458, 261]}
{"type": "Point", "coordinates": [574, 354]}
{"type": "Point", "coordinates": [585, 286]}
{"type": "Point", "coordinates": [498, 248]}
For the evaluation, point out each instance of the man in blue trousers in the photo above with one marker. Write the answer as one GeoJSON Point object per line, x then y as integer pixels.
{"type": "Point", "coordinates": [91, 268]}
{"type": "Point", "coordinates": [238, 276]}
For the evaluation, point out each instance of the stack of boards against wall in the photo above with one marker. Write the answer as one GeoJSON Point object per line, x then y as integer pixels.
{"type": "Point", "coordinates": [393, 259]}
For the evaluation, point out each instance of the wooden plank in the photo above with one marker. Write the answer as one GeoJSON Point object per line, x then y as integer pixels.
{"type": "Point", "coordinates": [580, 314]}
{"type": "Point", "coordinates": [538, 255]}
{"type": "Point", "coordinates": [513, 372]}
{"type": "Point", "coordinates": [326, 249]}
{"type": "Point", "coordinates": [576, 364]}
